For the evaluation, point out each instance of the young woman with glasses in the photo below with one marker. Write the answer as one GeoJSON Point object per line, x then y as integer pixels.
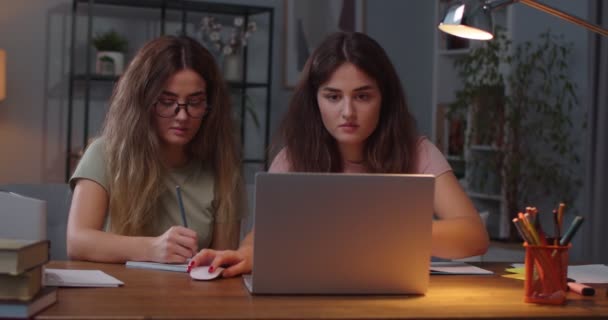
{"type": "Point", "coordinates": [169, 124]}
{"type": "Point", "coordinates": [348, 113]}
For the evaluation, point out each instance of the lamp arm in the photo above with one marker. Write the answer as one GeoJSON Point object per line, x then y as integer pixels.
{"type": "Point", "coordinates": [556, 12]}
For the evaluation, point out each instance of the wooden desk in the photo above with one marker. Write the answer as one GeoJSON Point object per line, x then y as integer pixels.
{"type": "Point", "coordinates": [154, 294]}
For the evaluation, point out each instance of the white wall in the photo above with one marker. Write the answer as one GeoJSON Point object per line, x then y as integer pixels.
{"type": "Point", "coordinates": [405, 29]}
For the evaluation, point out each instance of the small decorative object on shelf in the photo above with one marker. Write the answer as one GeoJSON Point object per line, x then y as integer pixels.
{"type": "Point", "coordinates": [110, 53]}
{"type": "Point", "coordinates": [229, 48]}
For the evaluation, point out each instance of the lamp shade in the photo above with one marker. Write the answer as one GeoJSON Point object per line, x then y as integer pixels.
{"type": "Point", "coordinates": [470, 19]}
{"type": "Point", "coordinates": [2, 75]}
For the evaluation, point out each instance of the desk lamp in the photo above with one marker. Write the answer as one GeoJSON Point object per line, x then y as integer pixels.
{"type": "Point", "coordinates": [472, 19]}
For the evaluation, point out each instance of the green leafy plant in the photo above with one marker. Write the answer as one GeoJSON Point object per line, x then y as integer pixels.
{"type": "Point", "coordinates": [250, 108]}
{"type": "Point", "coordinates": [110, 41]}
{"type": "Point", "coordinates": [521, 103]}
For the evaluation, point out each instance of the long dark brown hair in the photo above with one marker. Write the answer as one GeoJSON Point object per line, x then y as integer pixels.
{"type": "Point", "coordinates": [311, 148]}
{"type": "Point", "coordinates": [132, 146]}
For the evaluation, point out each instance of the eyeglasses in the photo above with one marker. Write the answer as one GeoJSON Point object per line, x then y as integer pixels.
{"type": "Point", "coordinates": [169, 108]}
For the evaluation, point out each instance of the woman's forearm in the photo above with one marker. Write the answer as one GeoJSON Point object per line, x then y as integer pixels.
{"type": "Point", "coordinates": [459, 237]}
{"type": "Point", "coordinates": [100, 246]}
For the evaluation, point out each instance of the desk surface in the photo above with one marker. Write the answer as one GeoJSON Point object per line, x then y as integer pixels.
{"type": "Point", "coordinates": [155, 294]}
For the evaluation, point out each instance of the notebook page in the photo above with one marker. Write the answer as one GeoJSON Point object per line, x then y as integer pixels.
{"type": "Point", "coordinates": [79, 278]}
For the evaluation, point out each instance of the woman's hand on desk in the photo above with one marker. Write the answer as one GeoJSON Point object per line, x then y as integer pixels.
{"type": "Point", "coordinates": [236, 262]}
{"type": "Point", "coordinates": [176, 245]}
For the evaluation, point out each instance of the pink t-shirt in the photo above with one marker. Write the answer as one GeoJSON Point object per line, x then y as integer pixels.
{"type": "Point", "coordinates": [430, 161]}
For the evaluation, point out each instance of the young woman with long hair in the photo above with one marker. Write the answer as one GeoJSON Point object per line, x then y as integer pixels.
{"type": "Point", "coordinates": [169, 124]}
{"type": "Point", "coordinates": [349, 114]}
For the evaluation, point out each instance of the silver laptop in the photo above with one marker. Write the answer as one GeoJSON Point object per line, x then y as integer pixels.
{"type": "Point", "coordinates": [341, 233]}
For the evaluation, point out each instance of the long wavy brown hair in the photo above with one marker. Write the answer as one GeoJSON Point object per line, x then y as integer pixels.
{"type": "Point", "coordinates": [132, 146]}
{"type": "Point", "coordinates": [311, 148]}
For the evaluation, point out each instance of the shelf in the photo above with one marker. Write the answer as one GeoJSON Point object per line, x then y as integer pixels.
{"type": "Point", "coordinates": [454, 52]}
{"type": "Point", "coordinates": [238, 85]}
{"type": "Point", "coordinates": [219, 8]}
{"type": "Point", "coordinates": [78, 155]}
{"type": "Point", "coordinates": [484, 196]}
{"type": "Point", "coordinates": [261, 161]}
{"type": "Point", "coordinates": [216, 8]}
{"type": "Point", "coordinates": [95, 77]}
{"type": "Point", "coordinates": [484, 147]}
{"type": "Point", "coordinates": [455, 158]}
{"type": "Point", "coordinates": [231, 84]}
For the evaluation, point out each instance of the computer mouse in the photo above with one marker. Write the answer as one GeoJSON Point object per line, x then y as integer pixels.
{"type": "Point", "coordinates": [202, 273]}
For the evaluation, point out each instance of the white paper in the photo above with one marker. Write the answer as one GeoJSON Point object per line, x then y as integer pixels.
{"type": "Point", "coordinates": [587, 273]}
{"type": "Point", "coordinates": [457, 268]}
{"type": "Point", "coordinates": [590, 273]}
{"type": "Point", "coordinates": [79, 278]}
{"type": "Point", "coordinates": [157, 266]}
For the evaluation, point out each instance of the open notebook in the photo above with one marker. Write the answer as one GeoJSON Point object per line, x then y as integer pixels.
{"type": "Point", "coordinates": [157, 266]}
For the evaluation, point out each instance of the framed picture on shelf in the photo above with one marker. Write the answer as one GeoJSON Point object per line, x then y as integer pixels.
{"type": "Point", "coordinates": [308, 23]}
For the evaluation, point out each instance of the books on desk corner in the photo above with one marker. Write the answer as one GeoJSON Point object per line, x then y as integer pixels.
{"type": "Point", "coordinates": [14, 308]}
{"type": "Point", "coordinates": [17, 256]}
{"type": "Point", "coordinates": [22, 292]}
{"type": "Point", "coordinates": [23, 286]}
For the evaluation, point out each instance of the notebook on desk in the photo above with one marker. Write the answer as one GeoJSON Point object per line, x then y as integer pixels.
{"type": "Point", "coordinates": [341, 233]}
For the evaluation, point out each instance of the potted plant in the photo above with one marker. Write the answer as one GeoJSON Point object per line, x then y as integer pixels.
{"type": "Point", "coordinates": [521, 103]}
{"type": "Point", "coordinates": [111, 47]}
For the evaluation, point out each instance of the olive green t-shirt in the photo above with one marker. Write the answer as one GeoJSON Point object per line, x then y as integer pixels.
{"type": "Point", "coordinates": [197, 189]}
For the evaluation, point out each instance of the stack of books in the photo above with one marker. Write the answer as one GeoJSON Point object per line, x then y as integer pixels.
{"type": "Point", "coordinates": [22, 293]}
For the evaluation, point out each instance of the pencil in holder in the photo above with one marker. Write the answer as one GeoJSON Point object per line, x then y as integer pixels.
{"type": "Point", "coordinates": [546, 274]}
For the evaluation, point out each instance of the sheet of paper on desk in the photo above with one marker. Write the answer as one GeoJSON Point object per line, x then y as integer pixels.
{"type": "Point", "coordinates": [590, 273]}
{"type": "Point", "coordinates": [586, 273]}
{"type": "Point", "coordinates": [79, 278]}
{"type": "Point", "coordinates": [454, 267]}
{"type": "Point", "coordinates": [157, 266]}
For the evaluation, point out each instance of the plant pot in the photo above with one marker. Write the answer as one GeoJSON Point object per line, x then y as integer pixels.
{"type": "Point", "coordinates": [233, 67]}
{"type": "Point", "coordinates": [109, 63]}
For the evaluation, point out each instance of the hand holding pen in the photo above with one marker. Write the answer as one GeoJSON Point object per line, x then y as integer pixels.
{"type": "Point", "coordinates": [178, 244]}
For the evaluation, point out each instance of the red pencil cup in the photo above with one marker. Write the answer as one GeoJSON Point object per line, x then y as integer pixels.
{"type": "Point", "coordinates": [546, 274]}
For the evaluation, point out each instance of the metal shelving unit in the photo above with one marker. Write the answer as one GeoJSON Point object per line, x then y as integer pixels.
{"type": "Point", "coordinates": [87, 78]}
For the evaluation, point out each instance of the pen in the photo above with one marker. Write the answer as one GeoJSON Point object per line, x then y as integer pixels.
{"type": "Point", "coordinates": [576, 223]}
{"type": "Point", "coordinates": [181, 205]}
{"type": "Point", "coordinates": [581, 289]}
{"type": "Point", "coordinates": [557, 231]}
{"type": "Point", "coordinates": [560, 214]}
